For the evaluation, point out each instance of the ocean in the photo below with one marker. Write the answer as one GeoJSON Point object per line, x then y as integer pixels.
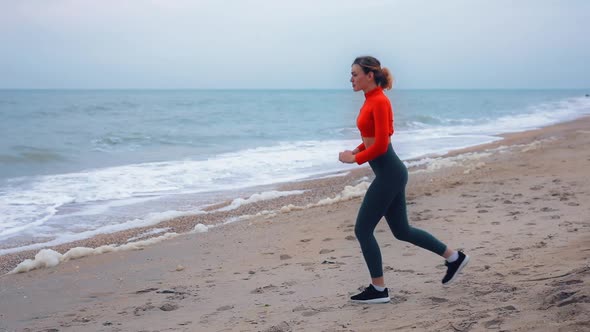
{"type": "Point", "coordinates": [77, 163]}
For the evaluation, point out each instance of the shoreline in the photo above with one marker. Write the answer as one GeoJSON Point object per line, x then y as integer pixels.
{"type": "Point", "coordinates": [316, 189]}
{"type": "Point", "coordinates": [518, 210]}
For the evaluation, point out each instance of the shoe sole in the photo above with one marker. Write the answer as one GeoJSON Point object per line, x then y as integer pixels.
{"type": "Point", "coordinates": [465, 261]}
{"type": "Point", "coordinates": [373, 301]}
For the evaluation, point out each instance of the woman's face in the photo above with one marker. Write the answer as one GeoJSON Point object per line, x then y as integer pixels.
{"type": "Point", "coordinates": [358, 78]}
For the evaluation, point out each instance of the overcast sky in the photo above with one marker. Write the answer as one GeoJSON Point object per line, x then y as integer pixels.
{"type": "Point", "coordinates": [292, 44]}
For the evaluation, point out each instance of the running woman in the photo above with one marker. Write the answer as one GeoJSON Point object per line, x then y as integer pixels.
{"type": "Point", "coordinates": [386, 194]}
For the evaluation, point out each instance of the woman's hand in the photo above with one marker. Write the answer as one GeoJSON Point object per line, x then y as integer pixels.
{"type": "Point", "coordinates": [346, 157]}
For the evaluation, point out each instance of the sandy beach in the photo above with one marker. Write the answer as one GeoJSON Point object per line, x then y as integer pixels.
{"type": "Point", "coordinates": [519, 207]}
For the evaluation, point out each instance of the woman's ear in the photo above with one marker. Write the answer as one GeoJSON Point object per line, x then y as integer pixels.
{"type": "Point", "coordinates": [371, 75]}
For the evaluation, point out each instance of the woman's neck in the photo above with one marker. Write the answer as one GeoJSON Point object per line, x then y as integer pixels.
{"type": "Point", "coordinates": [370, 88]}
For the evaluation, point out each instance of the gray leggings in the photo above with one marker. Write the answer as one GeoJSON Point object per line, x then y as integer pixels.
{"type": "Point", "coordinates": [386, 197]}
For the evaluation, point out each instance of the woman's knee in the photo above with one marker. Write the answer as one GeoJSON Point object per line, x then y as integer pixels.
{"type": "Point", "coordinates": [402, 234]}
{"type": "Point", "coordinates": [363, 231]}
{"type": "Point", "coordinates": [359, 231]}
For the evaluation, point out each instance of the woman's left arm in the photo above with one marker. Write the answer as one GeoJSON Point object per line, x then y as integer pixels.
{"type": "Point", "coordinates": [381, 117]}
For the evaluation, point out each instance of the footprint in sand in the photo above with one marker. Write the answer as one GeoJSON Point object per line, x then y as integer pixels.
{"type": "Point", "coordinates": [282, 327]}
{"type": "Point", "coordinates": [261, 290]}
{"type": "Point", "coordinates": [540, 245]}
{"type": "Point", "coordinates": [147, 290]}
{"type": "Point", "coordinates": [168, 307]}
{"type": "Point", "coordinates": [310, 311]}
{"type": "Point", "coordinates": [333, 263]}
{"type": "Point", "coordinates": [138, 311]}
{"type": "Point", "coordinates": [567, 282]}
{"type": "Point", "coordinates": [84, 319]}
{"type": "Point", "coordinates": [397, 299]}
{"type": "Point", "coordinates": [493, 324]}
{"type": "Point", "coordinates": [305, 240]}
{"type": "Point", "coordinates": [559, 299]}
{"type": "Point", "coordinates": [225, 307]}
{"type": "Point", "coordinates": [389, 268]}
{"type": "Point", "coordinates": [438, 300]}
{"type": "Point", "coordinates": [507, 309]}
{"type": "Point", "coordinates": [484, 268]}
{"type": "Point", "coordinates": [350, 238]}
{"type": "Point", "coordinates": [548, 209]}
{"type": "Point", "coordinates": [326, 251]}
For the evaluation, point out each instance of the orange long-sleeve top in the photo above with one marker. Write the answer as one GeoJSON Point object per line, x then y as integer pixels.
{"type": "Point", "coordinates": [375, 119]}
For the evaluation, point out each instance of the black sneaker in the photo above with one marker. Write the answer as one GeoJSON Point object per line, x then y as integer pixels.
{"type": "Point", "coordinates": [454, 268]}
{"type": "Point", "coordinates": [371, 295]}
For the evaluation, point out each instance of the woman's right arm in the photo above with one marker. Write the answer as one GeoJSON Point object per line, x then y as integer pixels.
{"type": "Point", "coordinates": [359, 148]}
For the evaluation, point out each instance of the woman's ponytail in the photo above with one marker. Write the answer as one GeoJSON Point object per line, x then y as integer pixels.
{"type": "Point", "coordinates": [383, 77]}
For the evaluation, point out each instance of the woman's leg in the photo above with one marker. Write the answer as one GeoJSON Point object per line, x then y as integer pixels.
{"type": "Point", "coordinates": [374, 205]}
{"type": "Point", "coordinates": [397, 219]}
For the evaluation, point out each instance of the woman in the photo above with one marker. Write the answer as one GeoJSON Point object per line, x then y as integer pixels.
{"type": "Point", "coordinates": [386, 194]}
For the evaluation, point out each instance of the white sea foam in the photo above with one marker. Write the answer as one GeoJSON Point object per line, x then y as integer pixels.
{"type": "Point", "coordinates": [103, 207]}
{"type": "Point", "coordinates": [236, 203]}
{"type": "Point", "coordinates": [50, 258]}
{"type": "Point", "coordinates": [348, 193]}
{"type": "Point", "coordinates": [472, 161]}
{"type": "Point", "coordinates": [426, 139]}
{"type": "Point", "coordinates": [149, 220]}
{"type": "Point", "coordinates": [535, 145]}
{"type": "Point", "coordinates": [472, 167]}
{"type": "Point", "coordinates": [434, 164]}
{"type": "Point", "coordinates": [329, 176]}
{"type": "Point", "coordinates": [200, 228]}
{"type": "Point", "coordinates": [148, 233]}
{"type": "Point", "coordinates": [66, 237]}
{"type": "Point", "coordinates": [28, 203]}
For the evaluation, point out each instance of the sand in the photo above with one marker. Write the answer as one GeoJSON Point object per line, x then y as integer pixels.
{"type": "Point", "coordinates": [519, 207]}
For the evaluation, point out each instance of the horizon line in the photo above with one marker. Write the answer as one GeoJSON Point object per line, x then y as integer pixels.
{"type": "Point", "coordinates": [278, 89]}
